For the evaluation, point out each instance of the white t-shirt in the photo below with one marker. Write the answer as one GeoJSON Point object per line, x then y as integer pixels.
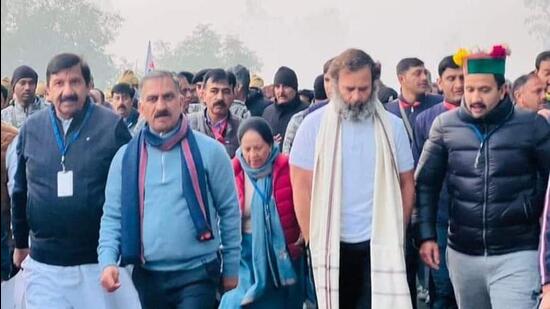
{"type": "Point", "coordinates": [358, 159]}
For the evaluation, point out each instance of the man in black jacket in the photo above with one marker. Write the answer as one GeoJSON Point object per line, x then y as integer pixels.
{"type": "Point", "coordinates": [495, 157]}
{"type": "Point", "coordinates": [63, 157]}
{"type": "Point", "coordinates": [287, 103]}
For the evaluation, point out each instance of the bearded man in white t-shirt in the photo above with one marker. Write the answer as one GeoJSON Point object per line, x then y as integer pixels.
{"type": "Point", "coordinates": [352, 177]}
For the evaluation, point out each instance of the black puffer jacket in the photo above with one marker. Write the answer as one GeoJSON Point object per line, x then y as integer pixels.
{"type": "Point", "coordinates": [496, 188]}
{"type": "Point", "coordinates": [256, 103]}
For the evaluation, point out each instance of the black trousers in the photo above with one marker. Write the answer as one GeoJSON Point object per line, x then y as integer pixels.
{"type": "Point", "coordinates": [195, 288]}
{"type": "Point", "coordinates": [355, 281]}
{"type": "Point", "coordinates": [412, 260]}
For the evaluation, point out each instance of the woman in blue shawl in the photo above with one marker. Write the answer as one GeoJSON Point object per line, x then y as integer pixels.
{"type": "Point", "coordinates": [272, 259]}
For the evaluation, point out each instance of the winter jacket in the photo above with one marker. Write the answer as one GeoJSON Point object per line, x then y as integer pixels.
{"type": "Point", "coordinates": [497, 170]}
{"type": "Point", "coordinates": [426, 102]}
{"type": "Point", "coordinates": [64, 230]}
{"type": "Point", "coordinates": [256, 103]}
{"type": "Point", "coordinates": [278, 116]}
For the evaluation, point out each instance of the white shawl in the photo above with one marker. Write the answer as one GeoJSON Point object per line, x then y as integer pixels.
{"type": "Point", "coordinates": [388, 275]}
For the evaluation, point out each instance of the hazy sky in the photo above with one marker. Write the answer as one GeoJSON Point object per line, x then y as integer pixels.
{"type": "Point", "coordinates": [304, 34]}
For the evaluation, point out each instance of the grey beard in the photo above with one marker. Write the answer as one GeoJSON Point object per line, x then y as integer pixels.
{"type": "Point", "coordinates": [356, 112]}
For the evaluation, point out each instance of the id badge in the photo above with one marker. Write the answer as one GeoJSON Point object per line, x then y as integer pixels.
{"type": "Point", "coordinates": [64, 183]}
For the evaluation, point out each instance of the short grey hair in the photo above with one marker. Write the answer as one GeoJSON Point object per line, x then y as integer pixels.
{"type": "Point", "coordinates": [159, 74]}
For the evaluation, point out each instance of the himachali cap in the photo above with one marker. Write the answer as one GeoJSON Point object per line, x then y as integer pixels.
{"type": "Point", "coordinates": [483, 62]}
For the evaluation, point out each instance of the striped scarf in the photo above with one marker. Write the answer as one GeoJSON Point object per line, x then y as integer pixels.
{"type": "Point", "coordinates": [134, 165]}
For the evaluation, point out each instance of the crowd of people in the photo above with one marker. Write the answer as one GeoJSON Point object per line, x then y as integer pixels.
{"type": "Point", "coordinates": [213, 190]}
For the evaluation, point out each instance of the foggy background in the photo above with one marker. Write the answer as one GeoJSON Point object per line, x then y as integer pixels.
{"type": "Point", "coordinates": [299, 34]}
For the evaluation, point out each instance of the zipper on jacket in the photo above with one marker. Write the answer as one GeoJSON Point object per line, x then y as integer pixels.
{"type": "Point", "coordinates": [485, 194]}
{"type": "Point", "coordinates": [162, 167]}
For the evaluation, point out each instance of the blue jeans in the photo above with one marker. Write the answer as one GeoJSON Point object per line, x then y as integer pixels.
{"type": "Point", "coordinates": [195, 288]}
{"type": "Point", "coordinates": [441, 292]}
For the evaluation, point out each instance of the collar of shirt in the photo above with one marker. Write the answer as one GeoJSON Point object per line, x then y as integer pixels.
{"type": "Point", "coordinates": [450, 106]}
{"type": "Point", "coordinates": [218, 129]}
{"type": "Point", "coordinates": [65, 123]}
{"type": "Point", "coordinates": [405, 104]}
{"type": "Point", "coordinates": [220, 125]}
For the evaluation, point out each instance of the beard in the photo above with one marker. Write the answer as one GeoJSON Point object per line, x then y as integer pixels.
{"type": "Point", "coordinates": [358, 111]}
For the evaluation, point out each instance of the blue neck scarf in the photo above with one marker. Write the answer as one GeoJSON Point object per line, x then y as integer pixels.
{"type": "Point", "coordinates": [265, 170]}
{"type": "Point", "coordinates": [269, 253]}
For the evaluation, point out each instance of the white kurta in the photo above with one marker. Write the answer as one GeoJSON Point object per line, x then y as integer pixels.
{"type": "Point", "coordinates": [48, 286]}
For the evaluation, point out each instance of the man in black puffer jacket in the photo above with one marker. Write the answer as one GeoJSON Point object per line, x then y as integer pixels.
{"type": "Point", "coordinates": [496, 159]}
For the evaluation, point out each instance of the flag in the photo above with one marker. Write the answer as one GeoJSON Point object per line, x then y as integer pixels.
{"type": "Point", "coordinates": [149, 61]}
